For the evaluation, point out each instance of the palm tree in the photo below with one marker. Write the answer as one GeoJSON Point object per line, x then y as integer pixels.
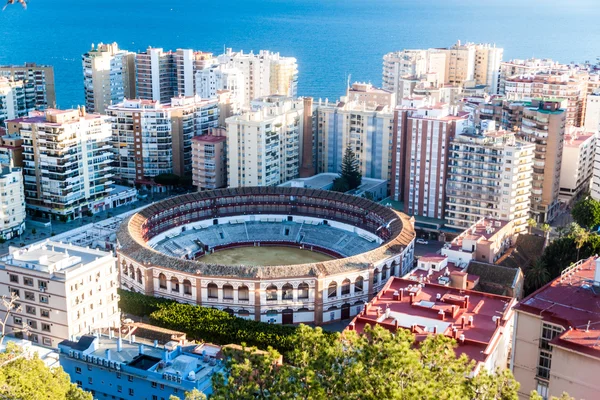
{"type": "Point", "coordinates": [580, 236]}
{"type": "Point", "coordinates": [561, 230]}
{"type": "Point", "coordinates": [546, 229]}
{"type": "Point", "coordinates": [531, 223]}
{"type": "Point", "coordinates": [537, 276]}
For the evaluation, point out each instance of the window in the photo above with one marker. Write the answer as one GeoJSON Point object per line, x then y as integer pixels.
{"type": "Point", "coordinates": [45, 313]}
{"type": "Point", "coordinates": [42, 285]}
{"type": "Point", "coordinates": [118, 375]}
{"type": "Point", "coordinates": [28, 281]}
{"type": "Point", "coordinates": [174, 284]}
{"type": "Point", "coordinates": [43, 299]}
{"type": "Point", "coordinates": [78, 370]}
{"type": "Point", "coordinates": [130, 378]}
{"type": "Point", "coordinates": [271, 293]}
{"type": "Point", "coordinates": [549, 332]}
{"type": "Point", "coordinates": [346, 287]}
{"type": "Point", "coordinates": [543, 370]}
{"type": "Point", "coordinates": [29, 296]}
{"type": "Point", "coordinates": [18, 320]}
{"type": "Point", "coordinates": [227, 292]}
{"type": "Point", "coordinates": [47, 341]}
{"type": "Point", "coordinates": [542, 389]}
{"type": "Point", "coordinates": [332, 290]}
{"type": "Point", "coordinates": [287, 292]}
{"type": "Point", "coordinates": [119, 388]}
{"type": "Point", "coordinates": [213, 291]}
{"type": "Point", "coordinates": [187, 287]}
{"type": "Point", "coordinates": [131, 392]}
{"type": "Point", "coordinates": [162, 386]}
{"type": "Point", "coordinates": [34, 338]}
{"type": "Point", "coordinates": [162, 281]}
{"type": "Point", "coordinates": [32, 324]}
{"type": "Point", "coordinates": [90, 380]}
{"type": "Point", "coordinates": [243, 293]}
{"type": "Point", "coordinates": [154, 397]}
{"type": "Point", "coordinates": [358, 284]}
{"type": "Point", "coordinates": [154, 384]}
{"type": "Point", "coordinates": [303, 290]}
{"type": "Point", "coordinates": [45, 327]}
{"type": "Point", "coordinates": [30, 310]}
{"type": "Point", "coordinates": [375, 277]}
{"type": "Point", "coordinates": [14, 278]}
{"type": "Point", "coordinates": [16, 292]}
{"type": "Point", "coordinates": [79, 383]}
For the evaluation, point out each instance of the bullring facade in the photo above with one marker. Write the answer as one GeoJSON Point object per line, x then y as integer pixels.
{"type": "Point", "coordinates": [160, 252]}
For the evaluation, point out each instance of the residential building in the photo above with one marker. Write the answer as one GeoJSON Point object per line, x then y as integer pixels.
{"type": "Point", "coordinates": [367, 129]}
{"type": "Point", "coordinates": [592, 113]}
{"type": "Point", "coordinates": [156, 77]}
{"type": "Point", "coordinates": [529, 67]}
{"type": "Point", "coordinates": [66, 162]}
{"type": "Point", "coordinates": [264, 74]}
{"type": "Point", "coordinates": [264, 145]}
{"type": "Point", "coordinates": [187, 63]}
{"type": "Point", "coordinates": [64, 291]}
{"type": "Point", "coordinates": [12, 100]}
{"type": "Point", "coordinates": [150, 138]}
{"type": "Point", "coordinates": [11, 149]}
{"type": "Point", "coordinates": [419, 155]}
{"type": "Point", "coordinates": [543, 123]}
{"type": "Point", "coordinates": [555, 343]}
{"type": "Point", "coordinates": [12, 200]}
{"type": "Point", "coordinates": [109, 367]}
{"type": "Point", "coordinates": [108, 76]}
{"type": "Point", "coordinates": [578, 167]}
{"type": "Point", "coordinates": [213, 79]}
{"type": "Point", "coordinates": [371, 96]}
{"type": "Point", "coordinates": [489, 174]}
{"type": "Point", "coordinates": [481, 323]}
{"type": "Point", "coordinates": [38, 81]}
{"type": "Point", "coordinates": [209, 160]}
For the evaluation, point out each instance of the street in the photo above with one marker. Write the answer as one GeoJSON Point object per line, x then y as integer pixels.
{"type": "Point", "coordinates": [432, 247]}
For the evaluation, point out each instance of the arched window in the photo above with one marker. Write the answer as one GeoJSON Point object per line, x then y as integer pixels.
{"type": "Point", "coordinates": [213, 291]}
{"type": "Point", "coordinates": [125, 269]}
{"type": "Point", "coordinates": [375, 276]}
{"type": "Point", "coordinates": [162, 281]}
{"type": "Point", "coordinates": [229, 311]}
{"type": "Point", "coordinates": [384, 273]}
{"type": "Point", "coordinates": [228, 292]}
{"type": "Point", "coordinates": [272, 313]}
{"type": "Point", "coordinates": [358, 284]}
{"type": "Point", "coordinates": [272, 293]}
{"type": "Point", "coordinates": [303, 290]}
{"type": "Point", "coordinates": [346, 287]}
{"type": "Point", "coordinates": [287, 292]}
{"type": "Point", "coordinates": [138, 273]}
{"type": "Point", "coordinates": [131, 272]}
{"type": "Point", "coordinates": [174, 285]}
{"type": "Point", "coordinates": [187, 287]}
{"type": "Point", "coordinates": [332, 290]}
{"type": "Point", "coordinates": [243, 313]}
{"type": "Point", "coordinates": [243, 293]}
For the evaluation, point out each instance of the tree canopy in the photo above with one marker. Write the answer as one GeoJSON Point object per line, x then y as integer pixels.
{"type": "Point", "coordinates": [586, 213]}
{"type": "Point", "coordinates": [375, 365]}
{"type": "Point", "coordinates": [23, 378]}
{"type": "Point", "coordinates": [350, 176]}
{"type": "Point", "coordinates": [167, 179]}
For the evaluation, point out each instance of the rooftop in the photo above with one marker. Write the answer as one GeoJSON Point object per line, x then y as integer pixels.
{"type": "Point", "coordinates": [474, 319]}
{"type": "Point", "coordinates": [571, 300]}
{"type": "Point", "coordinates": [209, 138]}
{"type": "Point", "coordinates": [325, 180]}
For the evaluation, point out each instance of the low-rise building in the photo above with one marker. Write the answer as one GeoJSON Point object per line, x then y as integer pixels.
{"type": "Point", "coordinates": [555, 344]}
{"type": "Point", "coordinates": [481, 323]}
{"type": "Point", "coordinates": [373, 189]}
{"type": "Point", "coordinates": [577, 169]}
{"type": "Point", "coordinates": [109, 366]}
{"type": "Point", "coordinates": [64, 291]}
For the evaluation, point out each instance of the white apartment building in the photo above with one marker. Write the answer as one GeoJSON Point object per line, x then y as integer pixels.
{"type": "Point", "coordinates": [38, 81]}
{"type": "Point", "coordinates": [108, 76]}
{"type": "Point", "coordinates": [367, 128]}
{"type": "Point", "coordinates": [213, 80]}
{"type": "Point", "coordinates": [64, 291]}
{"type": "Point", "coordinates": [577, 168]}
{"type": "Point", "coordinates": [264, 74]}
{"type": "Point", "coordinates": [489, 176]}
{"type": "Point", "coordinates": [592, 113]}
{"type": "Point", "coordinates": [12, 200]}
{"type": "Point", "coordinates": [264, 145]}
{"type": "Point", "coordinates": [12, 99]}
{"type": "Point", "coordinates": [150, 138]}
{"type": "Point", "coordinates": [66, 162]}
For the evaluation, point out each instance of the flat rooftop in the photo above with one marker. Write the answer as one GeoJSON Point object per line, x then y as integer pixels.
{"type": "Point", "coordinates": [325, 180]}
{"type": "Point", "coordinates": [474, 319]}
{"type": "Point", "coordinates": [573, 301]}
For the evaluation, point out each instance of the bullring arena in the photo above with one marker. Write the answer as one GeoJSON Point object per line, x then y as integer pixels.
{"type": "Point", "coordinates": [273, 254]}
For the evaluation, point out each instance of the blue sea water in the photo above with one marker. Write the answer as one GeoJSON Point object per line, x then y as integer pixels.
{"type": "Point", "coordinates": [330, 38]}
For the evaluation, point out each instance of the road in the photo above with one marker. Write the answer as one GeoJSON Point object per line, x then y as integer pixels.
{"type": "Point", "coordinates": [431, 248]}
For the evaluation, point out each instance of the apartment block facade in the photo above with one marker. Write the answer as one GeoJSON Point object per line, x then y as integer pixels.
{"type": "Point", "coordinates": [63, 291]}
{"type": "Point", "coordinates": [151, 139]}
{"type": "Point", "coordinates": [209, 160]}
{"type": "Point", "coordinates": [108, 76]}
{"type": "Point", "coordinates": [12, 100]}
{"type": "Point", "coordinates": [489, 176]}
{"type": "Point", "coordinates": [578, 167]}
{"type": "Point", "coordinates": [12, 200]}
{"type": "Point", "coordinates": [264, 145]}
{"type": "Point", "coordinates": [66, 162]}
{"type": "Point", "coordinates": [38, 81]}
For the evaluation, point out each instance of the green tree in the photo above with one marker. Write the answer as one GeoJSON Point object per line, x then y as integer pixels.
{"type": "Point", "coordinates": [536, 276]}
{"type": "Point", "coordinates": [535, 396]}
{"type": "Point", "coordinates": [193, 395]}
{"type": "Point", "coordinates": [580, 237]}
{"type": "Point", "coordinates": [586, 213]}
{"type": "Point", "coordinates": [546, 229]}
{"type": "Point", "coordinates": [375, 365]}
{"type": "Point", "coordinates": [167, 179]}
{"type": "Point", "coordinates": [531, 223]}
{"type": "Point", "coordinates": [29, 378]}
{"type": "Point", "coordinates": [350, 176]}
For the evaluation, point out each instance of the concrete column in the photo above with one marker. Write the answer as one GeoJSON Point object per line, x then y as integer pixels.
{"type": "Point", "coordinates": [256, 301]}
{"type": "Point", "coordinates": [295, 294]}
{"type": "Point", "coordinates": [198, 291]}
{"type": "Point", "coordinates": [318, 291]}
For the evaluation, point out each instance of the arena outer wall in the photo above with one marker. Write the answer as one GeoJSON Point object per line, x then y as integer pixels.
{"type": "Point", "coordinates": [309, 293]}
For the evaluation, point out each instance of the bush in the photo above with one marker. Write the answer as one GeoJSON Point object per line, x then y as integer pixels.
{"type": "Point", "coordinates": [208, 324]}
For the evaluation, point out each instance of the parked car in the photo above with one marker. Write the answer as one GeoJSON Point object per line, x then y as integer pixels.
{"type": "Point", "coordinates": [422, 241]}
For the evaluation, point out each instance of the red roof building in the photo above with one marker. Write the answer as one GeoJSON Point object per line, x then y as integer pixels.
{"type": "Point", "coordinates": [557, 335]}
{"type": "Point", "coordinates": [481, 323]}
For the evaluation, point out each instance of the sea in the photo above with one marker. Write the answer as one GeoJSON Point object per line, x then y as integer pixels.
{"type": "Point", "coordinates": [333, 40]}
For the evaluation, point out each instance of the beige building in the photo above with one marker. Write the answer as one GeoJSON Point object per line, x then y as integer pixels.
{"type": "Point", "coordinates": [371, 96]}
{"type": "Point", "coordinates": [367, 129]}
{"type": "Point", "coordinates": [38, 81]}
{"type": "Point", "coordinates": [209, 160]}
{"type": "Point", "coordinates": [543, 123]}
{"type": "Point", "coordinates": [264, 145]}
{"type": "Point", "coordinates": [555, 343]}
{"type": "Point", "coordinates": [64, 291]}
{"type": "Point", "coordinates": [577, 169]}
{"type": "Point", "coordinates": [11, 149]}
{"type": "Point", "coordinates": [592, 113]}
{"type": "Point", "coordinates": [66, 162]}
{"type": "Point", "coordinates": [108, 76]}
